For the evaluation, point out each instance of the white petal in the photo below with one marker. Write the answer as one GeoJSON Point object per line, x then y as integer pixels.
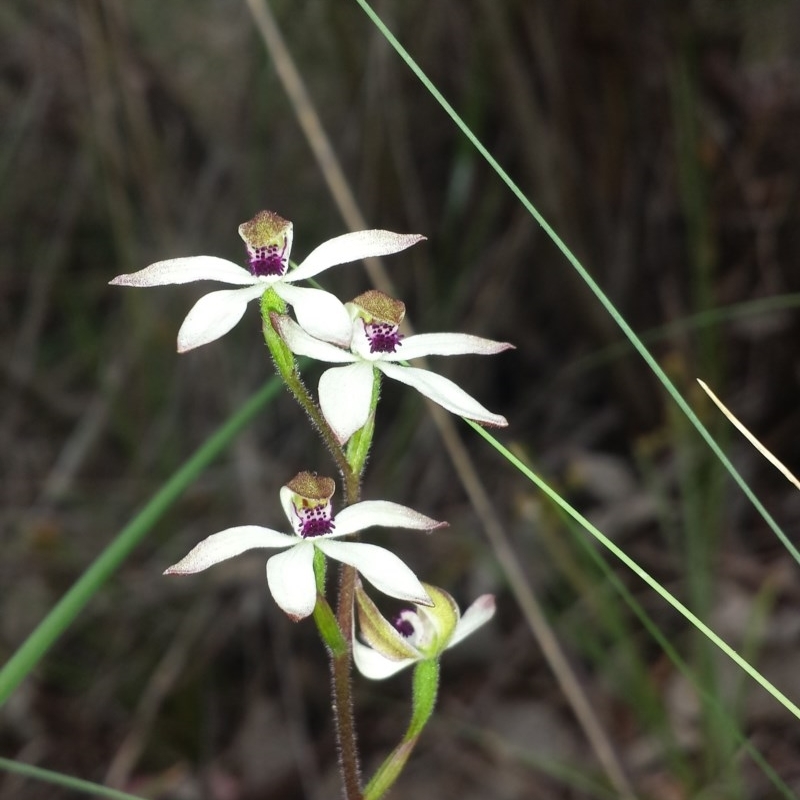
{"type": "Point", "coordinates": [214, 314]}
{"type": "Point", "coordinates": [227, 544]}
{"type": "Point", "coordinates": [442, 391]}
{"type": "Point", "coordinates": [446, 344]}
{"type": "Point", "coordinates": [382, 568]}
{"type": "Point", "coordinates": [290, 576]}
{"type": "Point", "coordinates": [381, 512]}
{"type": "Point", "coordinates": [352, 247]}
{"type": "Point", "coordinates": [345, 396]}
{"type": "Point", "coordinates": [286, 495]}
{"type": "Point", "coordinates": [301, 344]}
{"type": "Point", "coordinates": [186, 270]}
{"type": "Point", "coordinates": [479, 613]}
{"type": "Point", "coordinates": [360, 343]}
{"type": "Point", "coordinates": [371, 664]}
{"type": "Point", "coordinates": [319, 313]}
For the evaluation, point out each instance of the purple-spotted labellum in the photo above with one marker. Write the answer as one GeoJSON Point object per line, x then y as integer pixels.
{"type": "Point", "coordinates": [404, 625]}
{"type": "Point", "coordinates": [316, 521]}
{"type": "Point", "coordinates": [267, 261]}
{"type": "Point", "coordinates": [418, 634]}
{"type": "Point", "coordinates": [382, 337]}
{"type": "Point", "coordinates": [268, 239]}
{"type": "Point", "coordinates": [307, 502]}
{"type": "Point", "coordinates": [374, 342]}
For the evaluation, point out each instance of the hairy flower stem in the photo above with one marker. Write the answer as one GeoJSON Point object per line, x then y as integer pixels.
{"type": "Point", "coordinates": [341, 670]}
{"type": "Point", "coordinates": [340, 657]}
{"type": "Point", "coordinates": [350, 469]}
{"type": "Point", "coordinates": [342, 665]}
{"type": "Point", "coordinates": [286, 366]}
{"type": "Point", "coordinates": [425, 688]}
{"type": "Point", "coordinates": [352, 484]}
{"type": "Point", "coordinates": [339, 651]}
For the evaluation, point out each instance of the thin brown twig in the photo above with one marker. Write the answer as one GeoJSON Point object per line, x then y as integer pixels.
{"type": "Point", "coordinates": [348, 207]}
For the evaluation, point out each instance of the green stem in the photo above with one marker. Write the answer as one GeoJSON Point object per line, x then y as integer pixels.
{"type": "Point", "coordinates": [65, 781]}
{"type": "Point", "coordinates": [425, 689]}
{"type": "Point", "coordinates": [337, 634]}
{"type": "Point", "coordinates": [341, 663]}
{"type": "Point", "coordinates": [361, 441]}
{"type": "Point", "coordinates": [328, 628]}
{"type": "Point", "coordinates": [68, 608]}
{"type": "Point", "coordinates": [325, 619]}
{"type": "Point", "coordinates": [286, 366]}
{"type": "Point", "coordinates": [341, 668]}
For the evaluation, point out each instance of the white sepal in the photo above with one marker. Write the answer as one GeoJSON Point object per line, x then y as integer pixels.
{"type": "Point", "coordinates": [186, 270]}
{"type": "Point", "coordinates": [368, 513]}
{"type": "Point", "coordinates": [319, 313]}
{"type": "Point", "coordinates": [345, 397]}
{"type": "Point", "coordinates": [442, 391]}
{"type": "Point", "coordinates": [382, 568]}
{"type": "Point", "coordinates": [227, 544]}
{"type": "Point", "coordinates": [353, 247]}
{"type": "Point", "coordinates": [302, 344]}
{"type": "Point", "coordinates": [290, 576]}
{"type": "Point", "coordinates": [479, 613]}
{"type": "Point", "coordinates": [445, 344]}
{"type": "Point", "coordinates": [371, 664]}
{"type": "Point", "coordinates": [214, 314]}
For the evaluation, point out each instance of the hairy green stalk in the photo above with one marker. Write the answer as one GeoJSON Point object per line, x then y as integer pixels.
{"type": "Point", "coordinates": [335, 630]}
{"type": "Point", "coordinates": [424, 690]}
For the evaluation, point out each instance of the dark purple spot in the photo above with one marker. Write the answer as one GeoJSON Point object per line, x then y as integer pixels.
{"type": "Point", "coordinates": [267, 261]}
{"type": "Point", "coordinates": [315, 521]}
{"type": "Point", "coordinates": [382, 337]}
{"type": "Point", "coordinates": [403, 626]}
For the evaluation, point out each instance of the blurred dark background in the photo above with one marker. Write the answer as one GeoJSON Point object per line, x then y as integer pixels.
{"type": "Point", "coordinates": [661, 142]}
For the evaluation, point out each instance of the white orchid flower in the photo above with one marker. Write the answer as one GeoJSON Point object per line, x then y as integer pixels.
{"type": "Point", "coordinates": [306, 500]}
{"type": "Point", "coordinates": [268, 238]}
{"type": "Point", "coordinates": [415, 635]}
{"type": "Point", "coordinates": [373, 341]}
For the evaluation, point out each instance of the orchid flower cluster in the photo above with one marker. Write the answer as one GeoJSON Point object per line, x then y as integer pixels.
{"type": "Point", "coordinates": [362, 339]}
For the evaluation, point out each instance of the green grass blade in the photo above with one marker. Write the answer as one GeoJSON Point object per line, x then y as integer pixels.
{"type": "Point", "coordinates": [645, 576]}
{"type": "Point", "coordinates": [673, 655]}
{"type": "Point", "coordinates": [65, 611]}
{"type": "Point", "coordinates": [586, 277]}
{"type": "Point", "coordinates": [68, 782]}
{"type": "Point", "coordinates": [719, 315]}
